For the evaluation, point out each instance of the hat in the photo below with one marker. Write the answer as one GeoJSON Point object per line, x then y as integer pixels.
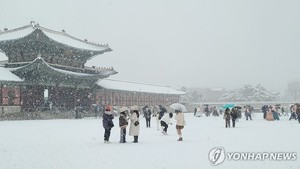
{"type": "Point", "coordinates": [108, 108]}
{"type": "Point", "coordinates": [135, 107]}
{"type": "Point", "coordinates": [123, 109]}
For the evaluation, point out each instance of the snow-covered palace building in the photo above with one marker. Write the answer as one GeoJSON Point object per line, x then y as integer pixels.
{"type": "Point", "coordinates": [44, 66]}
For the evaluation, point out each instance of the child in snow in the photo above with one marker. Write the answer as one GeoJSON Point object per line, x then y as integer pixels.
{"type": "Point", "coordinates": [165, 121]}
{"type": "Point", "coordinates": [123, 124]}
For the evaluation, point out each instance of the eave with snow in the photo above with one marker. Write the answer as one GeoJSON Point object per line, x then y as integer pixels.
{"type": "Point", "coordinates": [26, 43]}
{"type": "Point", "coordinates": [42, 73]}
{"type": "Point", "coordinates": [124, 93]}
{"type": "Point", "coordinates": [137, 87]}
{"type": "Point", "coordinates": [8, 77]}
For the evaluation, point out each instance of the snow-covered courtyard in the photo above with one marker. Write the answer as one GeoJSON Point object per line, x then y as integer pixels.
{"type": "Point", "coordinates": [78, 144]}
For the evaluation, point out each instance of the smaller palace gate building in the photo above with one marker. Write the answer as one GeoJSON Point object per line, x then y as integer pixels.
{"type": "Point", "coordinates": [46, 67]}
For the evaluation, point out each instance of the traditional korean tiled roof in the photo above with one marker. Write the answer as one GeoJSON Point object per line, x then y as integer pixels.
{"type": "Point", "coordinates": [137, 87]}
{"type": "Point", "coordinates": [39, 63]}
{"type": "Point", "coordinates": [40, 72]}
{"type": "Point", "coordinates": [6, 75]}
{"type": "Point", "coordinates": [58, 36]}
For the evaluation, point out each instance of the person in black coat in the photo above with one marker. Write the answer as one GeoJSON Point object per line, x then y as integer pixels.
{"type": "Point", "coordinates": [293, 112]}
{"type": "Point", "coordinates": [162, 111]}
{"type": "Point", "coordinates": [147, 115]}
{"type": "Point", "coordinates": [107, 122]}
{"type": "Point", "coordinates": [234, 116]}
{"type": "Point", "coordinates": [195, 111]}
{"type": "Point", "coordinates": [298, 113]}
{"type": "Point", "coordinates": [265, 109]}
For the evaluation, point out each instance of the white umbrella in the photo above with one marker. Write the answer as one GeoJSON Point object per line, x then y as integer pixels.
{"type": "Point", "coordinates": [178, 106]}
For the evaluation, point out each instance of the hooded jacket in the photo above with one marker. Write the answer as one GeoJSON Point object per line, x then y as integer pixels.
{"type": "Point", "coordinates": [107, 119]}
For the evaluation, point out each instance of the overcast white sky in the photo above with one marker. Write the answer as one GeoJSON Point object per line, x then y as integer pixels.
{"type": "Point", "coordinates": [193, 43]}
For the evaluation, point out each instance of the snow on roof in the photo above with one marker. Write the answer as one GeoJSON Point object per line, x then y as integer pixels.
{"type": "Point", "coordinates": [6, 75]}
{"type": "Point", "coordinates": [58, 36]}
{"type": "Point", "coordinates": [69, 40]}
{"type": "Point", "coordinates": [3, 56]}
{"type": "Point", "coordinates": [16, 33]}
{"type": "Point", "coordinates": [137, 87]}
{"type": "Point", "coordinates": [55, 69]}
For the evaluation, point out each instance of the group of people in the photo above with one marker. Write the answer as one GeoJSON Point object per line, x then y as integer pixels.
{"type": "Point", "coordinates": [295, 112]}
{"type": "Point", "coordinates": [271, 112]}
{"type": "Point", "coordinates": [230, 115]}
{"type": "Point", "coordinates": [214, 111]}
{"type": "Point", "coordinates": [131, 117]}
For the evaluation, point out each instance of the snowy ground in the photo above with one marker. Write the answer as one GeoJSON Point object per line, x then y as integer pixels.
{"type": "Point", "coordinates": [78, 144]}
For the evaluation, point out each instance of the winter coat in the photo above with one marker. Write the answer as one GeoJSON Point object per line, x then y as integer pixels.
{"type": "Point", "coordinates": [162, 111]}
{"type": "Point", "coordinates": [166, 118]}
{"type": "Point", "coordinates": [147, 113]}
{"type": "Point", "coordinates": [134, 130]}
{"type": "Point", "coordinates": [123, 121]}
{"type": "Point", "coordinates": [234, 114]}
{"type": "Point", "coordinates": [275, 115]}
{"type": "Point", "coordinates": [227, 115]}
{"type": "Point", "coordinates": [180, 121]}
{"type": "Point", "coordinates": [107, 119]}
{"type": "Point", "coordinates": [155, 110]}
{"type": "Point", "coordinates": [269, 116]}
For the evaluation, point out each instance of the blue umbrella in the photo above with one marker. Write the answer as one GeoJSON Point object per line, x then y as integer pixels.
{"type": "Point", "coordinates": [228, 106]}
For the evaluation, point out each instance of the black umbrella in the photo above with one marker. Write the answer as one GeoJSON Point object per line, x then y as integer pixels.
{"type": "Point", "coordinates": [238, 107]}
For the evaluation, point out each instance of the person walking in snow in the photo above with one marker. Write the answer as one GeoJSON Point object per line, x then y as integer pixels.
{"type": "Point", "coordinates": [107, 122]}
{"type": "Point", "coordinates": [123, 124]}
{"type": "Point", "coordinates": [165, 121]}
{"type": "Point", "coordinates": [264, 109]}
{"type": "Point", "coordinates": [298, 113]}
{"type": "Point", "coordinates": [147, 115]}
{"type": "Point", "coordinates": [180, 123]}
{"type": "Point", "coordinates": [227, 117]}
{"type": "Point", "coordinates": [162, 111]}
{"type": "Point", "coordinates": [134, 124]}
{"type": "Point", "coordinates": [155, 112]}
{"type": "Point", "coordinates": [234, 116]}
{"type": "Point", "coordinates": [293, 112]}
{"type": "Point", "coordinates": [248, 113]}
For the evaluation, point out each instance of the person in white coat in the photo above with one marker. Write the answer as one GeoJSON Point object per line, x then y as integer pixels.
{"type": "Point", "coordinates": [165, 121]}
{"type": "Point", "coordinates": [134, 125]}
{"type": "Point", "coordinates": [180, 123]}
{"type": "Point", "coordinates": [155, 112]}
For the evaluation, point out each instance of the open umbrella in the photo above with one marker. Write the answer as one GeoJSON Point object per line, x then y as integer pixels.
{"type": "Point", "coordinates": [178, 106]}
{"type": "Point", "coordinates": [228, 106]}
{"type": "Point", "coordinates": [123, 109]}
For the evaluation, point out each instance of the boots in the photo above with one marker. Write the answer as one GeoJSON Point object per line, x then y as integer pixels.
{"type": "Point", "coordinates": [180, 139]}
{"type": "Point", "coordinates": [135, 139]}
